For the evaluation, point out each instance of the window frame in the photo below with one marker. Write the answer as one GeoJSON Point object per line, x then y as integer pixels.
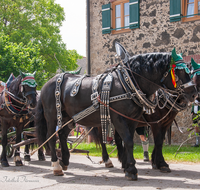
{"type": "Point", "coordinates": [113, 24]}
{"type": "Point", "coordinates": [184, 11]}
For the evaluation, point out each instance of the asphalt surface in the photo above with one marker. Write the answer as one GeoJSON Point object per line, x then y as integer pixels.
{"type": "Point", "coordinates": [84, 175]}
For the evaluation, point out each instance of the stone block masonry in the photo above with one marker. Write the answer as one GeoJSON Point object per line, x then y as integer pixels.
{"type": "Point", "coordinates": [156, 34]}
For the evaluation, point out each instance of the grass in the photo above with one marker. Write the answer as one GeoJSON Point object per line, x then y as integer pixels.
{"type": "Point", "coordinates": [185, 154]}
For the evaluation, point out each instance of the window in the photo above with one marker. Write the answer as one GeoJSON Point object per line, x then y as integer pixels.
{"type": "Point", "coordinates": [120, 16]}
{"type": "Point", "coordinates": [190, 10]}
{"type": "Point", "coordinates": [185, 10]}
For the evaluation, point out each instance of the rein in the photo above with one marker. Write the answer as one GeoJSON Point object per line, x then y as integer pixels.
{"type": "Point", "coordinates": [11, 107]}
{"type": "Point", "coordinates": [178, 90]}
{"type": "Point", "coordinates": [17, 99]}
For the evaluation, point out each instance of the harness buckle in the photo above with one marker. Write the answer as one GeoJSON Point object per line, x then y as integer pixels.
{"type": "Point", "coordinates": [164, 76]}
{"type": "Point", "coordinates": [94, 96]}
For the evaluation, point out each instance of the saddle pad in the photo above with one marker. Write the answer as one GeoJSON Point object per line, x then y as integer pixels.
{"type": "Point", "coordinates": [76, 86]}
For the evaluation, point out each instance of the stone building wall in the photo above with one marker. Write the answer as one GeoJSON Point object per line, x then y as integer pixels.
{"type": "Point", "coordinates": [156, 34]}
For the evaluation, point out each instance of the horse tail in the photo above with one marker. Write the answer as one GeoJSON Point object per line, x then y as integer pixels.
{"type": "Point", "coordinates": [40, 123]}
{"type": "Point", "coordinates": [96, 135]}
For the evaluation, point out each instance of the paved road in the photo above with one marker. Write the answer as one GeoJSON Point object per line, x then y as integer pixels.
{"type": "Point", "coordinates": [83, 175]}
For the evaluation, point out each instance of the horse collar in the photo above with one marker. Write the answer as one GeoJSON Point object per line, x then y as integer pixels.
{"type": "Point", "coordinates": [147, 104]}
{"type": "Point", "coordinates": [11, 107]}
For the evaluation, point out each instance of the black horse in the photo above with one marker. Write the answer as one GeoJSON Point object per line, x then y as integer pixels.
{"type": "Point", "coordinates": [150, 71]}
{"type": "Point", "coordinates": [18, 97]}
{"type": "Point", "coordinates": [158, 129]}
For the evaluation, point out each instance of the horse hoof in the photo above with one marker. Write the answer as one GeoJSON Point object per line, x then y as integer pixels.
{"type": "Point", "coordinates": [109, 165]}
{"type": "Point", "coordinates": [130, 176]}
{"type": "Point", "coordinates": [58, 173]}
{"type": "Point", "coordinates": [27, 158]}
{"type": "Point", "coordinates": [165, 169]}
{"type": "Point", "coordinates": [64, 167]}
{"type": "Point", "coordinates": [4, 164]}
{"type": "Point", "coordinates": [18, 163]}
{"type": "Point", "coordinates": [41, 157]}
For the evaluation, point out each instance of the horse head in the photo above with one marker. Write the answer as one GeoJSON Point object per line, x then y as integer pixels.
{"type": "Point", "coordinates": [178, 78]}
{"type": "Point", "coordinates": [28, 88]}
{"type": "Point", "coordinates": [195, 75]}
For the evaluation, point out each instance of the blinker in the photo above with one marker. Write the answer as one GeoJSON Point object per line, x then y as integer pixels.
{"type": "Point", "coordinates": [22, 88]}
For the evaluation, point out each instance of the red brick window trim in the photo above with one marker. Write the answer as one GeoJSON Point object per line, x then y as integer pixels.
{"type": "Point", "coordinates": [195, 57]}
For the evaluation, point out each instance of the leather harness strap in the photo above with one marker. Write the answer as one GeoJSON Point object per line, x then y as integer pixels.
{"type": "Point", "coordinates": [104, 110]}
{"type": "Point", "coordinates": [59, 80]}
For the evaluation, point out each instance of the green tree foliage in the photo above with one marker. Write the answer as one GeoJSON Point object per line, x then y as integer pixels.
{"type": "Point", "coordinates": [38, 21]}
{"type": "Point", "coordinates": [15, 57]}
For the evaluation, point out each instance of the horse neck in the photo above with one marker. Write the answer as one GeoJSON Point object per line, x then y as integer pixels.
{"type": "Point", "coordinates": [148, 83]}
{"type": "Point", "coordinates": [150, 69]}
{"type": "Point", "coordinates": [15, 90]}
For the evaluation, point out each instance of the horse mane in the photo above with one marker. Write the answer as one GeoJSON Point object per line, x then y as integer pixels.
{"type": "Point", "coordinates": [150, 62]}
{"type": "Point", "coordinates": [14, 86]}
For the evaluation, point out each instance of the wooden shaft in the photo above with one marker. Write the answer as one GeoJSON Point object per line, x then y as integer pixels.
{"type": "Point", "coordinates": [81, 139]}
{"type": "Point", "coordinates": [50, 137]}
{"type": "Point", "coordinates": [22, 143]}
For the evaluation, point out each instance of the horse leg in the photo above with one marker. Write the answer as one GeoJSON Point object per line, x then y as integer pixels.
{"type": "Point", "coordinates": [105, 156]}
{"type": "Point", "coordinates": [17, 158]}
{"type": "Point", "coordinates": [41, 156]}
{"type": "Point", "coordinates": [27, 157]}
{"type": "Point", "coordinates": [47, 150]}
{"type": "Point", "coordinates": [158, 161]}
{"type": "Point", "coordinates": [57, 169]}
{"type": "Point", "coordinates": [63, 134]}
{"type": "Point", "coordinates": [26, 151]}
{"type": "Point", "coordinates": [4, 161]}
{"type": "Point", "coordinates": [126, 134]}
{"type": "Point", "coordinates": [121, 150]}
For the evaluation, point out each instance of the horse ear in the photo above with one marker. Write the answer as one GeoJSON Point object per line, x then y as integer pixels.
{"type": "Point", "coordinates": [174, 55]}
{"type": "Point", "coordinates": [22, 74]}
{"type": "Point", "coordinates": [194, 64]}
{"type": "Point", "coordinates": [34, 74]}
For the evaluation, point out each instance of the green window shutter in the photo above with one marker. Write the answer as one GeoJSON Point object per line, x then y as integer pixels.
{"type": "Point", "coordinates": [106, 19]}
{"type": "Point", "coordinates": [134, 14]}
{"type": "Point", "coordinates": [175, 10]}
